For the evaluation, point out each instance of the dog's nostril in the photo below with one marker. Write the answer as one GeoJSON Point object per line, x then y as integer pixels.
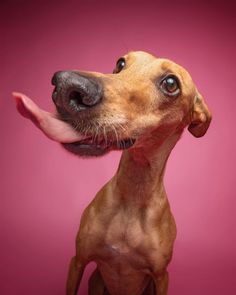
{"type": "Point", "coordinates": [54, 79]}
{"type": "Point", "coordinates": [81, 100]}
{"type": "Point", "coordinates": [76, 99]}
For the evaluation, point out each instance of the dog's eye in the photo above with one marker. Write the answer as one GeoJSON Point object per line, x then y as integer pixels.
{"type": "Point", "coordinates": [170, 85]}
{"type": "Point", "coordinates": [119, 65]}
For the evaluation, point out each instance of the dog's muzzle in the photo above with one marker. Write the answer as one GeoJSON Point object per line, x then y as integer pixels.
{"type": "Point", "coordinates": [76, 95]}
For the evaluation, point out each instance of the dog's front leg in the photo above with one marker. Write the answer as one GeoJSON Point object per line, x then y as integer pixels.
{"type": "Point", "coordinates": [161, 282]}
{"type": "Point", "coordinates": [74, 276]}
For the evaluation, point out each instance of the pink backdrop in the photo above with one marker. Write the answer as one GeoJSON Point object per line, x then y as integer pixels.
{"type": "Point", "coordinates": [44, 189]}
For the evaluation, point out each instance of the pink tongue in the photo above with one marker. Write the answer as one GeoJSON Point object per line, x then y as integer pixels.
{"type": "Point", "coordinates": [52, 127]}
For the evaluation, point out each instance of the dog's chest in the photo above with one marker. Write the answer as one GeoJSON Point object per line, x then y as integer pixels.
{"type": "Point", "coordinates": [127, 247]}
{"type": "Point", "coordinates": [125, 242]}
{"type": "Point", "coordinates": [122, 255]}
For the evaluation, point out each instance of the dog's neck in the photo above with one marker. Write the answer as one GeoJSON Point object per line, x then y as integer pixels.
{"type": "Point", "coordinates": [141, 170]}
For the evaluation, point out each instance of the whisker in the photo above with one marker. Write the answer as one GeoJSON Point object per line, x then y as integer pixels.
{"type": "Point", "coordinates": [95, 136]}
{"type": "Point", "coordinates": [104, 134]}
{"type": "Point", "coordinates": [121, 126]}
{"type": "Point", "coordinates": [116, 134]}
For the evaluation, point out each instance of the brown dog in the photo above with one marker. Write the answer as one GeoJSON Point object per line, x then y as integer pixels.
{"type": "Point", "coordinates": [142, 108]}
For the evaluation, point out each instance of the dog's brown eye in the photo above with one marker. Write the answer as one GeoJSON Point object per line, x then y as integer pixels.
{"type": "Point", "coordinates": [119, 65]}
{"type": "Point", "coordinates": [170, 86]}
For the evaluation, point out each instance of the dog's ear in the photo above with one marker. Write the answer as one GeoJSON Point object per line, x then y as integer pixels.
{"type": "Point", "coordinates": [200, 117]}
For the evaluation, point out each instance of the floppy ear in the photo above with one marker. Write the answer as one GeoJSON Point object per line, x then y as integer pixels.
{"type": "Point", "coordinates": [200, 117]}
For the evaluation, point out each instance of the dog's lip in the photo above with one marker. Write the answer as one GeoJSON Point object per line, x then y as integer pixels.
{"type": "Point", "coordinates": [103, 144]}
{"type": "Point", "coordinates": [91, 149]}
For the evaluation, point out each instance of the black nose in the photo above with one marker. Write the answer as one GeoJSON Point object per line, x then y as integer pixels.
{"type": "Point", "coordinates": [75, 91]}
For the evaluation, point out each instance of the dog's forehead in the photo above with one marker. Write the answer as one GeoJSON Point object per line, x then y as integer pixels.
{"type": "Point", "coordinates": [140, 57]}
{"type": "Point", "coordinates": [152, 66]}
{"type": "Point", "coordinates": [145, 59]}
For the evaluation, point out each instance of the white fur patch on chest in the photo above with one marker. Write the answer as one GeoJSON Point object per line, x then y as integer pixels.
{"type": "Point", "coordinates": [119, 249]}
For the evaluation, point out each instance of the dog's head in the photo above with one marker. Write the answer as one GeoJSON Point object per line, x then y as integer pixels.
{"type": "Point", "coordinates": [145, 100]}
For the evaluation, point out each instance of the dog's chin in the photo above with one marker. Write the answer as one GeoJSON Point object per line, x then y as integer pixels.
{"type": "Point", "coordinates": [92, 149]}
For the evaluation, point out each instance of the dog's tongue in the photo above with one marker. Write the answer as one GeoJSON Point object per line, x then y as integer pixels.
{"type": "Point", "coordinates": [52, 127]}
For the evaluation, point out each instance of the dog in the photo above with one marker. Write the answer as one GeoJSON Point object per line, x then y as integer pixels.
{"type": "Point", "coordinates": [142, 109]}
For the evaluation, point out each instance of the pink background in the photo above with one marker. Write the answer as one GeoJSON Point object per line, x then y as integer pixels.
{"type": "Point", "coordinates": [44, 189]}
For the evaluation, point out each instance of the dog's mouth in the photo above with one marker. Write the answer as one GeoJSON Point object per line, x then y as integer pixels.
{"type": "Point", "coordinates": [89, 147]}
{"type": "Point", "coordinates": [64, 133]}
